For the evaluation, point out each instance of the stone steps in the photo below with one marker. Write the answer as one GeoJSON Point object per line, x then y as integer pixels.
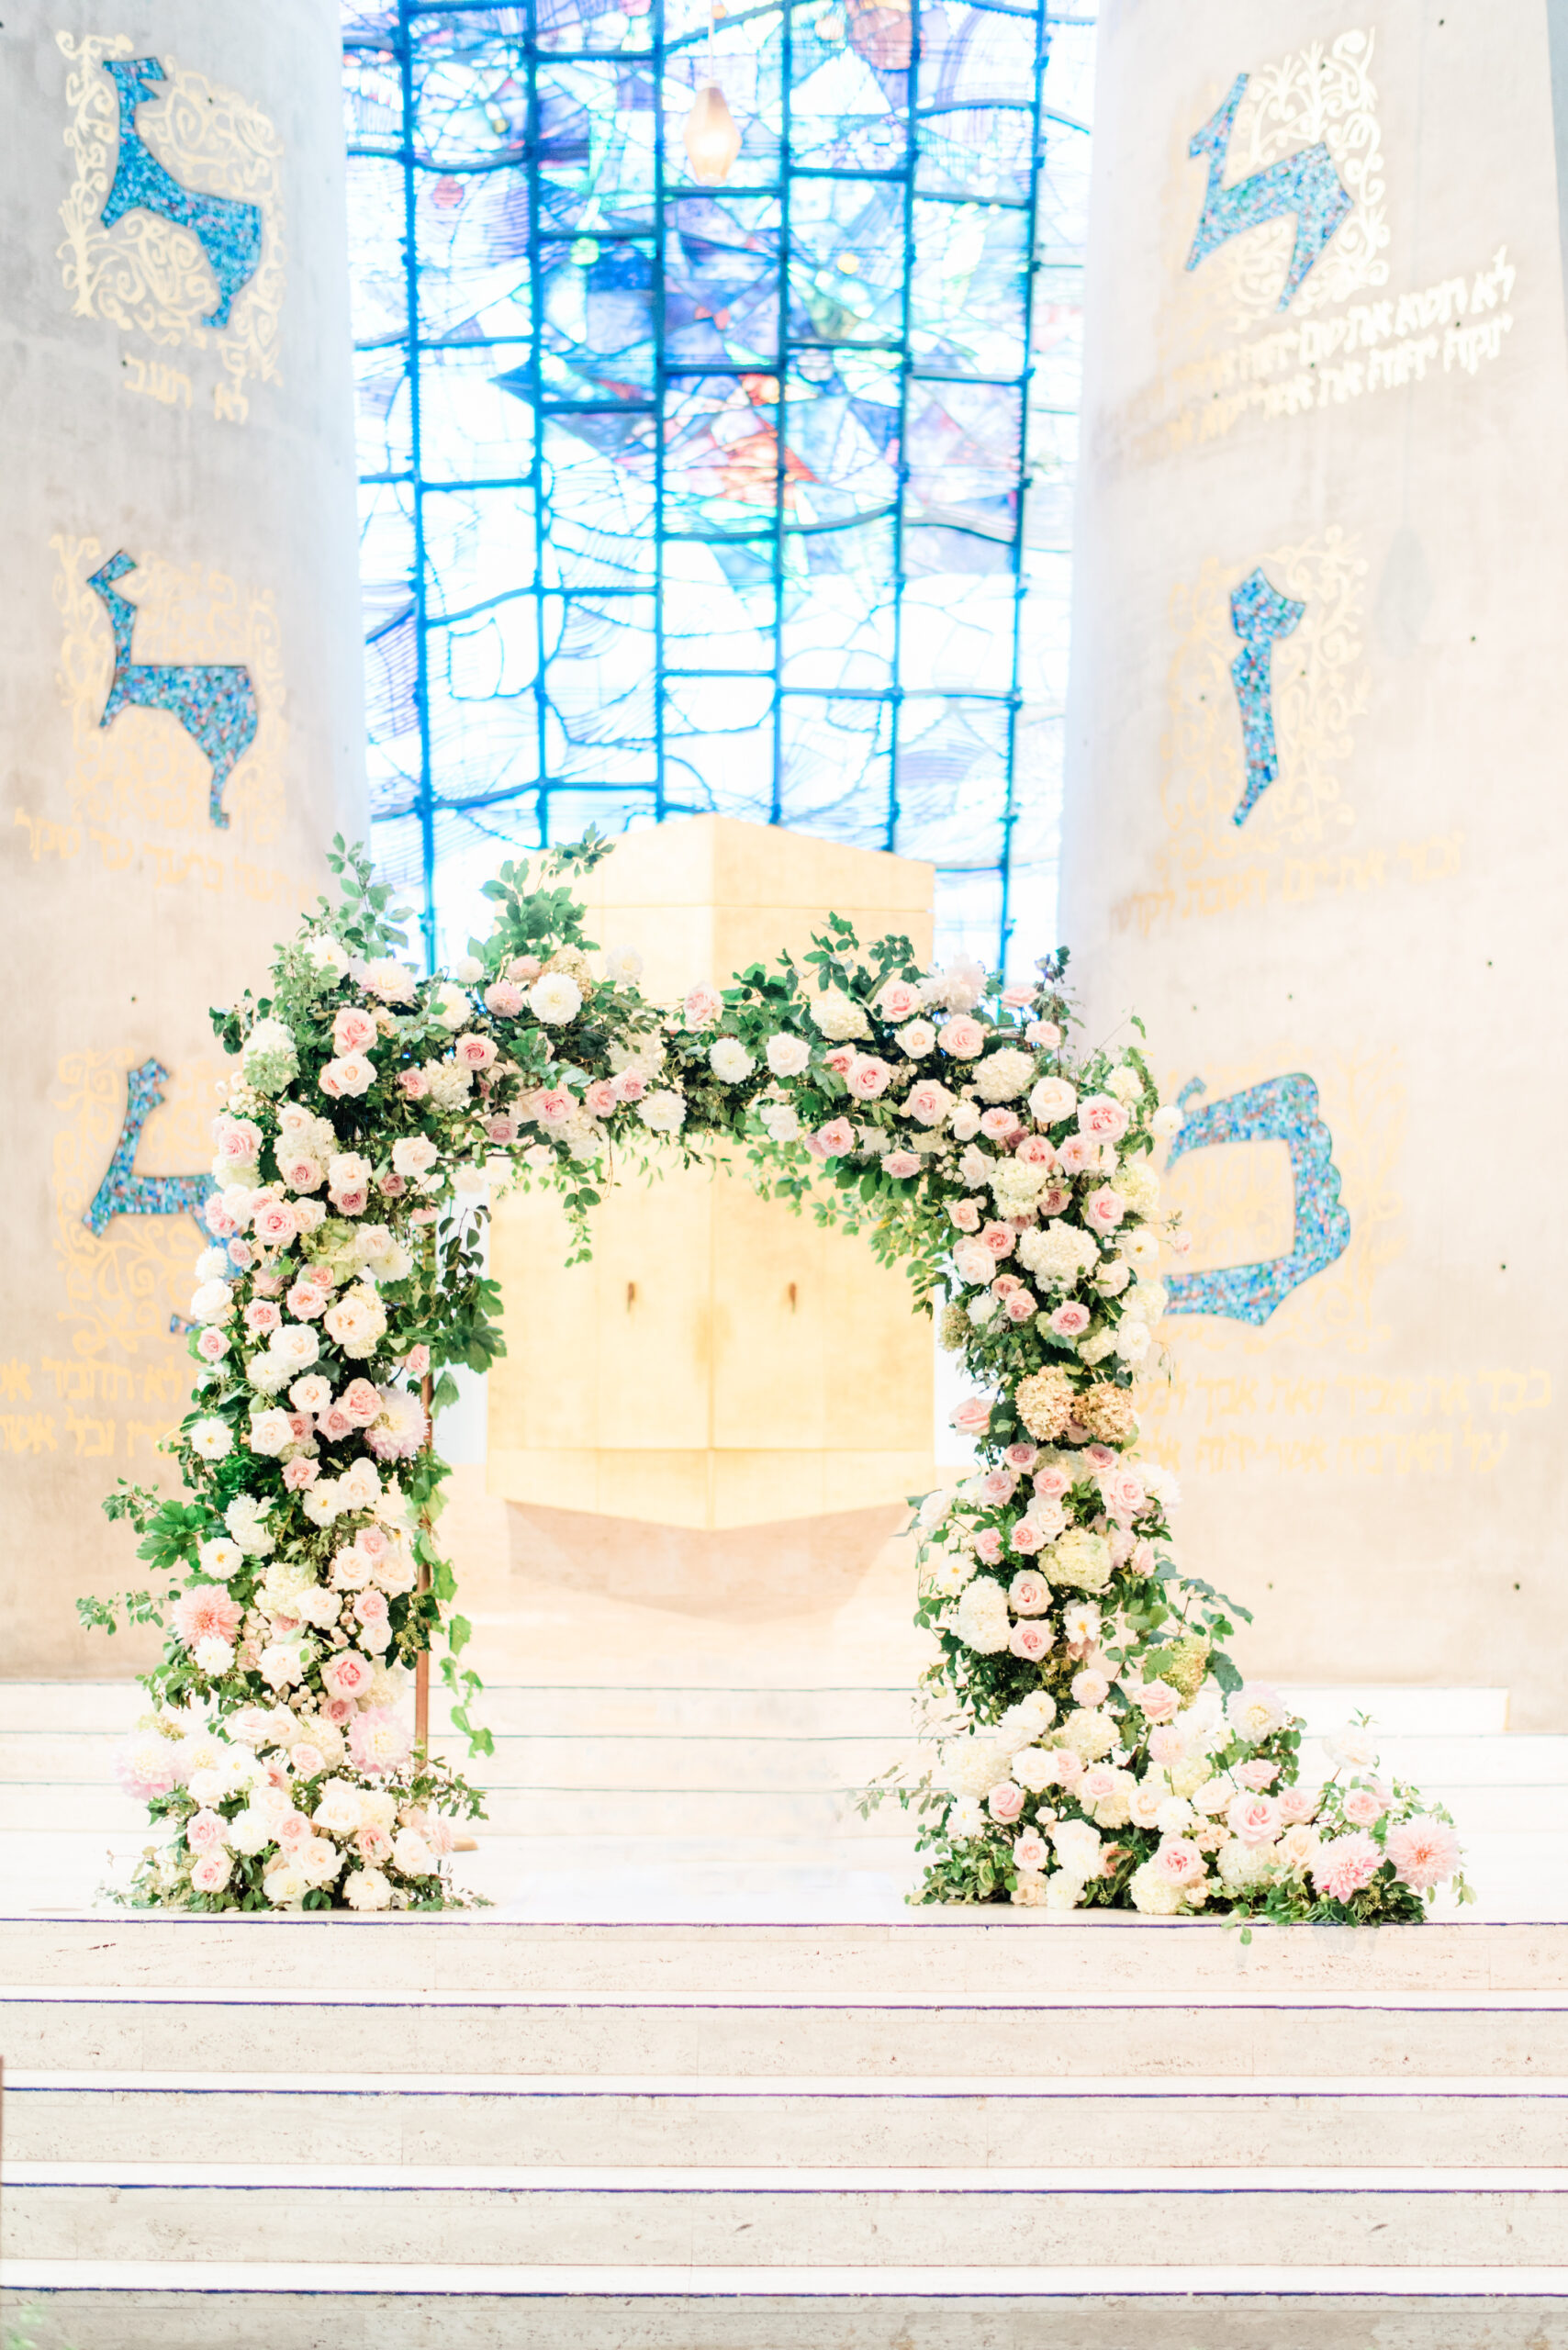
{"type": "Point", "coordinates": [595, 2121]}
{"type": "Point", "coordinates": [949, 2132]}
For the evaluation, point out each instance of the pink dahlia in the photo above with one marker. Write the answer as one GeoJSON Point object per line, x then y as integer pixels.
{"type": "Point", "coordinates": [1424, 1852]}
{"type": "Point", "coordinates": [400, 1429]}
{"type": "Point", "coordinates": [378, 1740]}
{"type": "Point", "coordinates": [1345, 1866]}
{"type": "Point", "coordinates": [206, 1614]}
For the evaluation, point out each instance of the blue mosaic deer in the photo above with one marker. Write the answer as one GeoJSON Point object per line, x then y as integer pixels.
{"type": "Point", "coordinates": [228, 232]}
{"type": "Point", "coordinates": [215, 701]}
{"type": "Point", "coordinates": [1304, 184]}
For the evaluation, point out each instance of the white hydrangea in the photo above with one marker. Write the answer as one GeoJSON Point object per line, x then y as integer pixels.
{"type": "Point", "coordinates": [839, 1018]}
{"type": "Point", "coordinates": [1057, 1253]}
{"type": "Point", "coordinates": [1126, 1082]}
{"type": "Point", "coordinates": [1078, 1848]}
{"type": "Point", "coordinates": [270, 1060]}
{"type": "Point", "coordinates": [980, 1619]}
{"type": "Point", "coordinates": [1015, 1186]}
{"type": "Point", "coordinates": [1002, 1077]}
{"type": "Point", "coordinates": [449, 1083]}
{"type": "Point", "coordinates": [1156, 1893]}
{"type": "Point", "coordinates": [972, 1765]}
{"type": "Point", "coordinates": [246, 1519]}
{"type": "Point", "coordinates": [1243, 1865]}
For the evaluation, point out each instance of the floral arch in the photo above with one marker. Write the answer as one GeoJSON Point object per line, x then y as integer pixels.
{"type": "Point", "coordinates": [1097, 1748]}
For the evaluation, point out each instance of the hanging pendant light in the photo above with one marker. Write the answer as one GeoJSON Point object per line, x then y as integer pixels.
{"type": "Point", "coordinates": [712, 142]}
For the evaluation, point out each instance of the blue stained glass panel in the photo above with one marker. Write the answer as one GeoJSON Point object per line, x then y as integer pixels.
{"type": "Point", "coordinates": [692, 497]}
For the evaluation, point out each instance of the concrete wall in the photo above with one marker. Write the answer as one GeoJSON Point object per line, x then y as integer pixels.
{"type": "Point", "coordinates": [1368, 1421]}
{"type": "Point", "coordinates": [215, 452]}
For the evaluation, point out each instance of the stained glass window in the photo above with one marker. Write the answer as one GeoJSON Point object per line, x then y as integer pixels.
{"type": "Point", "coordinates": [748, 496]}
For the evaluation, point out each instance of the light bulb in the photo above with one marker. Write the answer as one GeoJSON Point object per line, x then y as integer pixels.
{"type": "Point", "coordinates": [712, 143]}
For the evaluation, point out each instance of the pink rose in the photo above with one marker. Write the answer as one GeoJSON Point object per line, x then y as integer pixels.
{"type": "Point", "coordinates": [897, 1001]}
{"type": "Point", "coordinates": [217, 1219]}
{"type": "Point", "coordinates": [928, 1103]}
{"type": "Point", "coordinates": [307, 1299]}
{"type": "Point", "coordinates": [505, 999]}
{"type": "Point", "coordinates": [1255, 1818]}
{"type": "Point", "coordinates": [205, 1832]}
{"type": "Point", "coordinates": [1054, 1201]}
{"type": "Point", "coordinates": [360, 1402]}
{"type": "Point", "coordinates": [1346, 1866]}
{"type": "Point", "coordinates": [262, 1314]}
{"type": "Point", "coordinates": [1029, 1594]}
{"type": "Point", "coordinates": [334, 1424]}
{"type": "Point", "coordinates": [210, 1873]}
{"type": "Point", "coordinates": [1122, 1493]}
{"type": "Point", "coordinates": [988, 1546]}
{"type": "Point", "coordinates": [1051, 1482]}
{"type": "Point", "coordinates": [1103, 1118]}
{"type": "Point", "coordinates": [300, 1473]}
{"type": "Point", "coordinates": [1035, 1150]}
{"type": "Point", "coordinates": [901, 1165]}
{"type": "Point", "coordinates": [1259, 1775]}
{"type": "Point", "coordinates": [1362, 1805]}
{"type": "Point", "coordinates": [1070, 1767]}
{"type": "Point", "coordinates": [1157, 1701]}
{"type": "Point", "coordinates": [1180, 1859]}
{"type": "Point", "coordinates": [1030, 1640]}
{"type": "Point", "coordinates": [972, 1261]}
{"type": "Point", "coordinates": [1016, 998]}
{"type": "Point", "coordinates": [274, 1223]}
{"type": "Point", "coordinates": [837, 1138]}
{"type": "Point", "coordinates": [1100, 1456]}
{"type": "Point", "coordinates": [1078, 1156]}
{"type": "Point", "coordinates": [965, 1215]}
{"type": "Point", "coordinates": [417, 1361]}
{"type": "Point", "coordinates": [999, 1125]}
{"type": "Point", "coordinates": [1031, 1851]}
{"type": "Point", "coordinates": [1043, 1034]}
{"type": "Point", "coordinates": [998, 1485]}
{"type": "Point", "coordinates": [841, 1060]}
{"type": "Point", "coordinates": [600, 1098]}
{"type": "Point", "coordinates": [1103, 1209]}
{"type": "Point", "coordinates": [502, 1128]}
{"type": "Point", "coordinates": [473, 1051]}
{"type": "Point", "coordinates": [962, 1038]}
{"type": "Point", "coordinates": [347, 1675]}
{"type": "Point", "coordinates": [1005, 1802]}
{"type": "Point", "coordinates": [337, 1710]}
{"type": "Point", "coordinates": [370, 1607]}
{"type": "Point", "coordinates": [1070, 1321]}
{"type": "Point", "coordinates": [551, 1105]}
{"type": "Point", "coordinates": [1425, 1852]}
{"type": "Point", "coordinates": [867, 1076]}
{"type": "Point", "coordinates": [268, 1284]}
{"type": "Point", "coordinates": [1026, 1538]}
{"type": "Point", "coordinates": [631, 1086]}
{"type": "Point", "coordinates": [704, 1006]}
{"type": "Point", "coordinates": [212, 1344]}
{"type": "Point", "coordinates": [1021, 1456]}
{"type": "Point", "coordinates": [353, 1031]}
{"type": "Point", "coordinates": [414, 1082]}
{"type": "Point", "coordinates": [240, 1253]}
{"type": "Point", "coordinates": [353, 1202]}
{"type": "Point", "coordinates": [999, 1238]}
{"type": "Point", "coordinates": [300, 1172]}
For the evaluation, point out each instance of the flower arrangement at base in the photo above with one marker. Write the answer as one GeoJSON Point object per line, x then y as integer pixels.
{"type": "Point", "coordinates": [1099, 1749]}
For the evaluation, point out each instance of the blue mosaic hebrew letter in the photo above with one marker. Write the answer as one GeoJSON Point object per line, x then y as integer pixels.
{"type": "Point", "coordinates": [1282, 1109]}
{"type": "Point", "coordinates": [122, 1191]}
{"type": "Point", "coordinates": [1304, 184]}
{"type": "Point", "coordinates": [228, 232]}
{"type": "Point", "coordinates": [1259, 614]}
{"type": "Point", "coordinates": [215, 701]}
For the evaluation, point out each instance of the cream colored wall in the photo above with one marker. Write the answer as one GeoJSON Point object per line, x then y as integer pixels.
{"type": "Point", "coordinates": [720, 1362]}
{"type": "Point", "coordinates": [222, 460]}
{"type": "Point", "coordinates": [1378, 1466]}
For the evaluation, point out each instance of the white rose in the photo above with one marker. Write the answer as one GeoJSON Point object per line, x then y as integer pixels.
{"type": "Point", "coordinates": [1132, 1341]}
{"type": "Point", "coordinates": [1167, 1119]}
{"type": "Point", "coordinates": [554, 998]}
{"type": "Point", "coordinates": [270, 1431]}
{"type": "Point", "coordinates": [781, 1120]}
{"type": "Point", "coordinates": [296, 1346]}
{"type": "Point", "coordinates": [663, 1111]}
{"type": "Point", "coordinates": [788, 1056]}
{"type": "Point", "coordinates": [414, 1155]}
{"type": "Point", "coordinates": [412, 1854]}
{"type": "Point", "coordinates": [328, 955]}
{"type": "Point", "coordinates": [918, 1039]}
{"type": "Point", "coordinates": [468, 970]}
{"type": "Point", "coordinates": [728, 1060]}
{"type": "Point", "coordinates": [357, 1322]}
{"type": "Point", "coordinates": [349, 1073]}
{"type": "Point", "coordinates": [246, 1519]}
{"type": "Point", "coordinates": [214, 1302]}
{"type": "Point", "coordinates": [1077, 1847]}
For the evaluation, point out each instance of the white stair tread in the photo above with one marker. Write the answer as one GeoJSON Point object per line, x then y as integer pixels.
{"type": "Point", "coordinates": [984, 2282]}
{"type": "Point", "coordinates": [747, 2179]}
{"type": "Point", "coordinates": [1460, 2000]}
{"type": "Point", "coordinates": [1525, 2088]}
